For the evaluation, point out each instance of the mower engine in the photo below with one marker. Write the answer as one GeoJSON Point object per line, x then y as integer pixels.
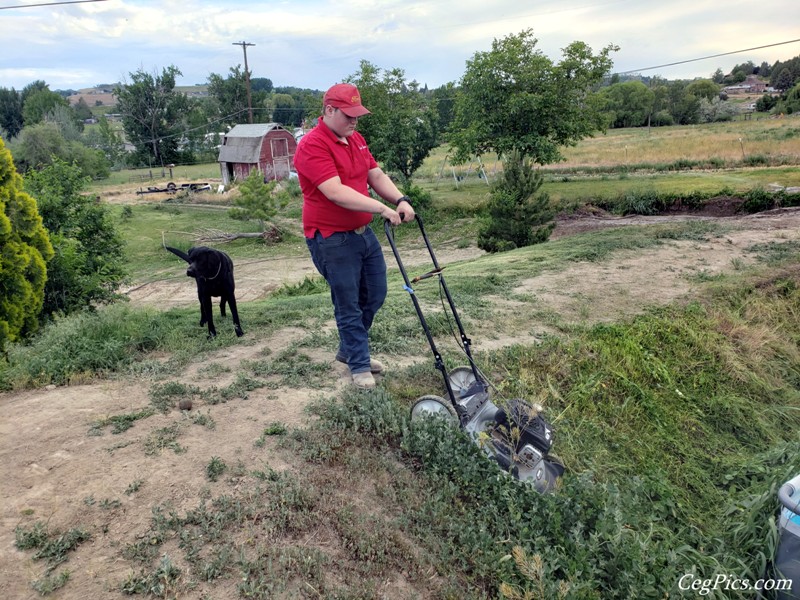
{"type": "Point", "coordinates": [516, 436]}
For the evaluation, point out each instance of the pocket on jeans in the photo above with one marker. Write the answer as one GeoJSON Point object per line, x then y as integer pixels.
{"type": "Point", "coordinates": [334, 241]}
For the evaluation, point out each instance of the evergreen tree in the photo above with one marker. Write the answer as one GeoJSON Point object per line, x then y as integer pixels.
{"type": "Point", "coordinates": [24, 251]}
{"type": "Point", "coordinates": [257, 200]}
{"type": "Point", "coordinates": [10, 112]}
{"type": "Point", "coordinates": [517, 217]}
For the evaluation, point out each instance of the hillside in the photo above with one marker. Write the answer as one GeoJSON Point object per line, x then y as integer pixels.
{"type": "Point", "coordinates": [234, 499]}
{"type": "Point", "coordinates": [105, 97]}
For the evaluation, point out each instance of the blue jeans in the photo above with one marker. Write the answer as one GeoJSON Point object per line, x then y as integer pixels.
{"type": "Point", "coordinates": [354, 267]}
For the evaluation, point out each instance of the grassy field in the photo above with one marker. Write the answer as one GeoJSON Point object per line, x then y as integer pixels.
{"type": "Point", "coordinates": [665, 160]}
{"type": "Point", "coordinates": [677, 422]}
{"type": "Point", "coordinates": [731, 143]}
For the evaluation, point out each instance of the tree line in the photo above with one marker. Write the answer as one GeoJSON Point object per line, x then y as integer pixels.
{"type": "Point", "coordinates": [61, 252]}
{"type": "Point", "coordinates": [165, 126]}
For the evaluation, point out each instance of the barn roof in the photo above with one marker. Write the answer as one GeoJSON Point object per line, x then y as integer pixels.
{"type": "Point", "coordinates": [242, 144]}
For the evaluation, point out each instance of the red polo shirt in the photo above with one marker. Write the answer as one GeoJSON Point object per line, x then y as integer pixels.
{"type": "Point", "coordinates": [320, 156]}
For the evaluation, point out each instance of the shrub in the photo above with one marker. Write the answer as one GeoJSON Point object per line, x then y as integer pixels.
{"type": "Point", "coordinates": [517, 217]}
{"type": "Point", "coordinates": [88, 266]}
{"type": "Point", "coordinates": [757, 200]}
{"type": "Point", "coordinates": [420, 199]}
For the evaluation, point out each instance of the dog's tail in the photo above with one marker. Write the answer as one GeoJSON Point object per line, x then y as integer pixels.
{"type": "Point", "coordinates": [179, 253]}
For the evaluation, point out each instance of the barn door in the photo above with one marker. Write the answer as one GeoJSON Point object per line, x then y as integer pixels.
{"type": "Point", "coordinates": [281, 167]}
{"type": "Point", "coordinates": [280, 157]}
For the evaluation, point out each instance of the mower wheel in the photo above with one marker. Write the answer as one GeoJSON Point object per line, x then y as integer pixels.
{"type": "Point", "coordinates": [435, 406]}
{"type": "Point", "coordinates": [461, 378]}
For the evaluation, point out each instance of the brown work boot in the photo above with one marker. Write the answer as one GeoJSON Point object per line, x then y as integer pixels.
{"type": "Point", "coordinates": [364, 381]}
{"type": "Point", "coordinates": [375, 366]}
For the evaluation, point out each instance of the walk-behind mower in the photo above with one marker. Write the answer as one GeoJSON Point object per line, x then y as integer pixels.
{"type": "Point", "coordinates": [787, 556]}
{"type": "Point", "coordinates": [512, 432]}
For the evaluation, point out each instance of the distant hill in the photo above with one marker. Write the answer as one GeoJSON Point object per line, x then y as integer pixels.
{"type": "Point", "coordinates": [105, 97]}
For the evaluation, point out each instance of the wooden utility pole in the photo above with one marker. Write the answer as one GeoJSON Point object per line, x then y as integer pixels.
{"type": "Point", "coordinates": [244, 46]}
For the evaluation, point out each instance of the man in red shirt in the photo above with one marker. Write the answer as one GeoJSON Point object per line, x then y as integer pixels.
{"type": "Point", "coordinates": [336, 169]}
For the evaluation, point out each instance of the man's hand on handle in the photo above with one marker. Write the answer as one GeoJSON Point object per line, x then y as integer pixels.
{"type": "Point", "coordinates": [406, 211]}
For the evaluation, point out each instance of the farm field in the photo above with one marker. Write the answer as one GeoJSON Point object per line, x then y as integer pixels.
{"type": "Point", "coordinates": [663, 347]}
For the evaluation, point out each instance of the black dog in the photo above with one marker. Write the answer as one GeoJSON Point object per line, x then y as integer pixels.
{"type": "Point", "coordinates": [213, 271]}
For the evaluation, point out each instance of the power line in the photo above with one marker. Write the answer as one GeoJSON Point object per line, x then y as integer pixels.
{"type": "Point", "coordinates": [50, 4]}
{"type": "Point", "coordinates": [682, 62]}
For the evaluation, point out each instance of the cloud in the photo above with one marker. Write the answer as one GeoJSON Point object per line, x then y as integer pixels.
{"type": "Point", "coordinates": [311, 43]}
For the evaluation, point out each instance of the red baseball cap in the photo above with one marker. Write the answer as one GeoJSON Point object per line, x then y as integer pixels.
{"type": "Point", "coordinates": [346, 98]}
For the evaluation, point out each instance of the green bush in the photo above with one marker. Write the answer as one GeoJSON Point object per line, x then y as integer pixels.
{"type": "Point", "coordinates": [88, 266]}
{"type": "Point", "coordinates": [759, 199]}
{"type": "Point", "coordinates": [420, 199]}
{"type": "Point", "coordinates": [84, 344]}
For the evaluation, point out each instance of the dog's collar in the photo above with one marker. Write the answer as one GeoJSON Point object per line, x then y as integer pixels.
{"type": "Point", "coordinates": [218, 270]}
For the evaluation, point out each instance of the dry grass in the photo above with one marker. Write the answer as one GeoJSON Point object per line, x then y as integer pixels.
{"type": "Point", "coordinates": [727, 141]}
{"type": "Point", "coordinates": [771, 137]}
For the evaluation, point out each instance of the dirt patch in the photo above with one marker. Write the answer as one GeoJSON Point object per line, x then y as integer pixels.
{"type": "Point", "coordinates": [54, 470]}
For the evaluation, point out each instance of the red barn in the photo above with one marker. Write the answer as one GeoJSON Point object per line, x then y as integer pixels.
{"type": "Point", "coordinates": [265, 146]}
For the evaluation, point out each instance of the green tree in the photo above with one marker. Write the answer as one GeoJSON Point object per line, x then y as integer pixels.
{"type": "Point", "coordinates": [281, 108]}
{"type": "Point", "coordinates": [517, 217]}
{"type": "Point", "coordinates": [33, 87]}
{"type": "Point", "coordinates": [88, 265]}
{"type": "Point", "coordinates": [37, 146]}
{"type": "Point", "coordinates": [718, 76]}
{"type": "Point", "coordinates": [401, 131]}
{"type": "Point", "coordinates": [307, 105]}
{"type": "Point", "coordinates": [766, 103]}
{"type": "Point", "coordinates": [683, 106]}
{"type": "Point", "coordinates": [790, 103]}
{"type": "Point", "coordinates": [108, 141]}
{"type": "Point", "coordinates": [229, 96]}
{"type": "Point", "coordinates": [261, 84]}
{"type": "Point", "coordinates": [82, 110]}
{"type": "Point", "coordinates": [703, 88]}
{"type": "Point", "coordinates": [444, 99]}
{"type": "Point", "coordinates": [41, 144]}
{"type": "Point", "coordinates": [784, 80]}
{"type": "Point", "coordinates": [152, 114]}
{"type": "Point", "coordinates": [39, 103]}
{"type": "Point", "coordinates": [258, 201]}
{"type": "Point", "coordinates": [628, 104]}
{"type": "Point", "coordinates": [513, 97]}
{"type": "Point", "coordinates": [10, 112]}
{"type": "Point", "coordinates": [24, 251]}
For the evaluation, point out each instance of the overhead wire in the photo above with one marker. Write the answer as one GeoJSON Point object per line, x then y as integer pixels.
{"type": "Point", "coordinates": [50, 4]}
{"type": "Point", "coordinates": [682, 62]}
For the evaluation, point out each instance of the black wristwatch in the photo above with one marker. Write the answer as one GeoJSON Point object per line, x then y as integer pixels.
{"type": "Point", "coordinates": [404, 199]}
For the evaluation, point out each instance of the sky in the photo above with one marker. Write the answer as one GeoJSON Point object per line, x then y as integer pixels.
{"type": "Point", "coordinates": [316, 43]}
